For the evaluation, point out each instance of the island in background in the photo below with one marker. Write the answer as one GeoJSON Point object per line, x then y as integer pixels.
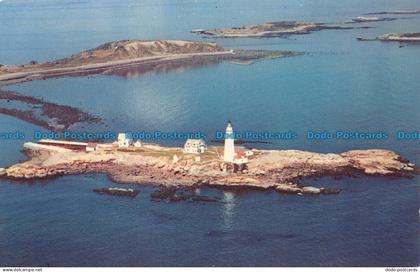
{"type": "Point", "coordinates": [395, 37]}
{"type": "Point", "coordinates": [120, 56]}
{"type": "Point", "coordinates": [396, 12]}
{"type": "Point", "coordinates": [271, 29]}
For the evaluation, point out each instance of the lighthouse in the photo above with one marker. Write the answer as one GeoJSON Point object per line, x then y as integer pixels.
{"type": "Point", "coordinates": [229, 152]}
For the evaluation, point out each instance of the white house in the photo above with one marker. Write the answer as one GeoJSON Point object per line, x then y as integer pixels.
{"type": "Point", "coordinates": [124, 140]}
{"type": "Point", "coordinates": [195, 146]}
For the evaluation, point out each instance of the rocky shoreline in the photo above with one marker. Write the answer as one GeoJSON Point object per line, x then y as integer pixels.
{"type": "Point", "coordinates": [279, 170]}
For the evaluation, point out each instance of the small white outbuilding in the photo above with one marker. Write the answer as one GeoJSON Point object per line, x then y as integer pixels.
{"type": "Point", "coordinates": [91, 147]}
{"type": "Point", "coordinates": [195, 146]}
{"type": "Point", "coordinates": [138, 143]}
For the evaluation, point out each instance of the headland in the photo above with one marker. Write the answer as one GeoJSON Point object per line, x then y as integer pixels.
{"type": "Point", "coordinates": [114, 57]}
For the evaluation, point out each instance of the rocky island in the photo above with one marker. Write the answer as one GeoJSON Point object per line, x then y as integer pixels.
{"type": "Point", "coordinates": [113, 57]}
{"type": "Point", "coordinates": [396, 12]}
{"type": "Point", "coordinates": [272, 29]}
{"type": "Point", "coordinates": [170, 166]}
{"type": "Point", "coordinates": [395, 37]}
{"type": "Point", "coordinates": [368, 19]}
{"type": "Point", "coordinates": [400, 37]}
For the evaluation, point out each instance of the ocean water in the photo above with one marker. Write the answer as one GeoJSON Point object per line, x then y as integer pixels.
{"type": "Point", "coordinates": [338, 84]}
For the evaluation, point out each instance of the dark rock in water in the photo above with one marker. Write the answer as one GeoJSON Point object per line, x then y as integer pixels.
{"type": "Point", "coordinates": [331, 191]}
{"type": "Point", "coordinates": [288, 189]}
{"type": "Point", "coordinates": [365, 39]}
{"type": "Point", "coordinates": [299, 189]}
{"type": "Point", "coordinates": [175, 194]}
{"type": "Point", "coordinates": [117, 191]}
{"type": "Point", "coordinates": [163, 193]}
{"type": "Point", "coordinates": [416, 170]}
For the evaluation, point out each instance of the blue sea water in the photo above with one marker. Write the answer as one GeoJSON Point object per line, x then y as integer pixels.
{"type": "Point", "coordinates": [338, 84]}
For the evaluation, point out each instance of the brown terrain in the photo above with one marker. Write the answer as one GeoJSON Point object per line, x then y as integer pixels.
{"type": "Point", "coordinates": [114, 57]}
{"type": "Point", "coordinates": [152, 164]}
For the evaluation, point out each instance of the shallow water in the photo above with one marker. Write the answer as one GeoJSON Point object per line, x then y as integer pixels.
{"type": "Point", "coordinates": [339, 84]}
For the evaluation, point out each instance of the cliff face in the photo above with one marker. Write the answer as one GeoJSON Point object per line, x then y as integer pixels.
{"type": "Point", "coordinates": [131, 49]}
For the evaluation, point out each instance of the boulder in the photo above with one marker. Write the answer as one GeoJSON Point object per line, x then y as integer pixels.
{"type": "Point", "coordinates": [288, 189]}
{"type": "Point", "coordinates": [161, 164]}
{"type": "Point", "coordinates": [330, 191]}
{"type": "Point", "coordinates": [3, 172]}
{"type": "Point", "coordinates": [175, 159]}
{"type": "Point", "coordinates": [194, 170]}
{"type": "Point", "coordinates": [42, 175]}
{"type": "Point", "coordinates": [29, 176]}
{"type": "Point", "coordinates": [311, 190]}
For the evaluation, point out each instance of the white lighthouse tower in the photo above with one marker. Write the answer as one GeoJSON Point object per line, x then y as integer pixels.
{"type": "Point", "coordinates": [229, 152]}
